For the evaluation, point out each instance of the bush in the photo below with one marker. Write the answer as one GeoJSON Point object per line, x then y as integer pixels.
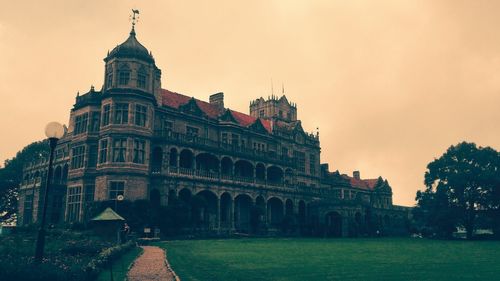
{"type": "Point", "coordinates": [69, 255]}
{"type": "Point", "coordinates": [105, 258]}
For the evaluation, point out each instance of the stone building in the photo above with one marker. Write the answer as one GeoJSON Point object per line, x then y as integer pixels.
{"type": "Point", "coordinates": [136, 139]}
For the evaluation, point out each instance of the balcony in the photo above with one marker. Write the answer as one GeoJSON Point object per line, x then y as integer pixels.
{"type": "Point", "coordinates": [223, 148]}
{"type": "Point", "coordinates": [217, 177]}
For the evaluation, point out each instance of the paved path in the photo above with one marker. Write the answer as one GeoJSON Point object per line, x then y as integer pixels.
{"type": "Point", "coordinates": [150, 266]}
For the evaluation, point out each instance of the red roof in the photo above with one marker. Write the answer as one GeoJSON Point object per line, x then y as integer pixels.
{"type": "Point", "coordinates": [175, 100]}
{"type": "Point", "coordinates": [368, 184]}
{"type": "Point", "coordinates": [247, 120]}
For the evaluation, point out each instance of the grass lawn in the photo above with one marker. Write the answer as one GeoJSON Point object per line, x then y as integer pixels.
{"type": "Point", "coordinates": [121, 266]}
{"type": "Point", "coordinates": [334, 259]}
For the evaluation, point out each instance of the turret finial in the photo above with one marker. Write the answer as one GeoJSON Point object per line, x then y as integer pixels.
{"type": "Point", "coordinates": [135, 18]}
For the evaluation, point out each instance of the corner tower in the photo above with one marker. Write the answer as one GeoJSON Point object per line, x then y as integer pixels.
{"type": "Point", "coordinates": [131, 67]}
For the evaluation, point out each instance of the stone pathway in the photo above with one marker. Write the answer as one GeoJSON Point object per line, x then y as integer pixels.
{"type": "Point", "coordinates": [150, 266]}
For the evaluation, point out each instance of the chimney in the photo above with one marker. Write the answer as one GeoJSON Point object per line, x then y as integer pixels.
{"type": "Point", "coordinates": [218, 101]}
{"type": "Point", "coordinates": [356, 175]}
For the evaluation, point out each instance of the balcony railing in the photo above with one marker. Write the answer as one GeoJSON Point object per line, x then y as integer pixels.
{"type": "Point", "coordinates": [215, 176]}
{"type": "Point", "coordinates": [182, 139]}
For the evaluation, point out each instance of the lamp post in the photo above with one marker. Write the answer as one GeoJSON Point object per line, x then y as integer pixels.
{"type": "Point", "coordinates": [54, 131]}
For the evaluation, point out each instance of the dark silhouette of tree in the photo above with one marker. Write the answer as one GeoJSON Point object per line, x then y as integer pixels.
{"type": "Point", "coordinates": [11, 176]}
{"type": "Point", "coordinates": [461, 184]}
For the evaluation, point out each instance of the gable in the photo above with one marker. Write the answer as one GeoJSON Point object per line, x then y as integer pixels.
{"type": "Point", "coordinates": [228, 117]}
{"type": "Point", "coordinates": [191, 107]}
{"type": "Point", "coordinates": [257, 126]}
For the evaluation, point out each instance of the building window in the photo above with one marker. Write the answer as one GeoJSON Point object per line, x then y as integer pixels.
{"type": "Point", "coordinates": [94, 122]}
{"type": "Point", "coordinates": [259, 146]}
{"type": "Point", "coordinates": [81, 123]}
{"type": "Point", "coordinates": [103, 151]}
{"type": "Point", "coordinates": [192, 131]}
{"type": "Point", "coordinates": [119, 150]}
{"type": "Point", "coordinates": [59, 153]}
{"type": "Point", "coordinates": [28, 209]}
{"type": "Point", "coordinates": [235, 139]}
{"type": "Point", "coordinates": [140, 115]}
{"type": "Point", "coordinates": [123, 77]}
{"type": "Point", "coordinates": [92, 163]}
{"type": "Point", "coordinates": [312, 164]}
{"type": "Point", "coordinates": [261, 113]}
{"type": "Point", "coordinates": [121, 113]}
{"type": "Point", "coordinates": [74, 202]}
{"type": "Point", "coordinates": [141, 80]}
{"type": "Point", "coordinates": [139, 151]}
{"type": "Point", "coordinates": [284, 151]}
{"type": "Point", "coordinates": [224, 138]}
{"type": "Point", "coordinates": [167, 127]}
{"type": "Point", "coordinates": [281, 113]}
{"type": "Point", "coordinates": [78, 157]}
{"type": "Point", "coordinates": [116, 188]}
{"type": "Point", "coordinates": [300, 159]}
{"type": "Point", "coordinates": [110, 80]}
{"type": "Point", "coordinates": [105, 115]}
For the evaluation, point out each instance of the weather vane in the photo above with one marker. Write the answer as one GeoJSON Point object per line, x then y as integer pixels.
{"type": "Point", "coordinates": [134, 17]}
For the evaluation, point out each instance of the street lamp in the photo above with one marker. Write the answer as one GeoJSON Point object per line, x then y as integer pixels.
{"type": "Point", "coordinates": [54, 131]}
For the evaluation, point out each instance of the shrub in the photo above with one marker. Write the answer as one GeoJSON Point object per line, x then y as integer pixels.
{"type": "Point", "coordinates": [105, 258]}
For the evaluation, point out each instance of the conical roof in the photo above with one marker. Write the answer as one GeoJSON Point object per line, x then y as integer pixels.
{"type": "Point", "coordinates": [131, 48]}
{"type": "Point", "coordinates": [108, 215]}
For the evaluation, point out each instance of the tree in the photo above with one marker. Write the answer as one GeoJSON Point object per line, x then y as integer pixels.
{"type": "Point", "coordinates": [462, 183]}
{"type": "Point", "coordinates": [11, 177]}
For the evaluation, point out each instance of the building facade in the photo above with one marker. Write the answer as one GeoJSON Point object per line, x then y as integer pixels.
{"type": "Point", "coordinates": [136, 139]}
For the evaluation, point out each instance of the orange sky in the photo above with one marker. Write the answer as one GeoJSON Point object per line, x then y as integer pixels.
{"type": "Point", "coordinates": [390, 84]}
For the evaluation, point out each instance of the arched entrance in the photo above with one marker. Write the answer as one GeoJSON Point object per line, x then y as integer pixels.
{"type": "Point", "coordinates": [243, 204]}
{"type": "Point", "coordinates": [333, 224]}
{"type": "Point", "coordinates": [205, 210]}
{"type": "Point", "coordinates": [226, 204]}
{"type": "Point", "coordinates": [275, 212]}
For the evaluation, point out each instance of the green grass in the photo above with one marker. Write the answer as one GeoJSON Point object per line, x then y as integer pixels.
{"type": "Point", "coordinates": [121, 266]}
{"type": "Point", "coordinates": [334, 259]}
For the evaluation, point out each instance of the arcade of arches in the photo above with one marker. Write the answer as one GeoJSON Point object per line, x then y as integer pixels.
{"type": "Point", "coordinates": [226, 212]}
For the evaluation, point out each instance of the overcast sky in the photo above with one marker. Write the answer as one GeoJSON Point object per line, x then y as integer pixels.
{"type": "Point", "coordinates": [390, 84]}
